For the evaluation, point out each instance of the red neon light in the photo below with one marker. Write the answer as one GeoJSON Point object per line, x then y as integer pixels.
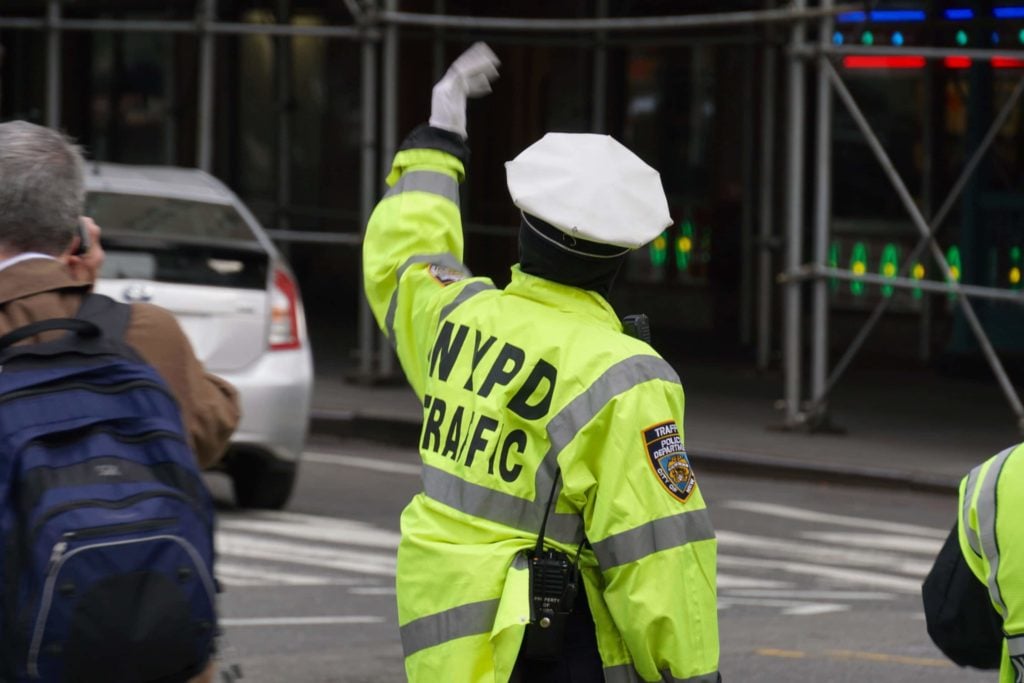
{"type": "Point", "coordinates": [873, 62]}
{"type": "Point", "coordinates": [957, 62]}
{"type": "Point", "coordinates": [1007, 63]}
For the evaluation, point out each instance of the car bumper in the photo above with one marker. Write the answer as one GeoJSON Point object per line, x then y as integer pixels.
{"type": "Point", "coordinates": [275, 395]}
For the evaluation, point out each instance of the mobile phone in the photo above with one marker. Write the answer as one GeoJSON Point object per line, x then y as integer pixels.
{"type": "Point", "coordinates": [83, 239]}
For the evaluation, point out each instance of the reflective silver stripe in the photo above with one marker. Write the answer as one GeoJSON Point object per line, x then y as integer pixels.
{"type": "Point", "coordinates": [525, 514]}
{"type": "Point", "coordinates": [433, 182]}
{"type": "Point", "coordinates": [458, 622]}
{"type": "Point", "coordinates": [1015, 645]}
{"type": "Point", "coordinates": [987, 526]}
{"type": "Point", "coordinates": [661, 534]}
{"type": "Point", "coordinates": [443, 259]}
{"type": "Point", "coordinates": [965, 517]}
{"type": "Point", "coordinates": [625, 673]}
{"type": "Point", "coordinates": [468, 292]}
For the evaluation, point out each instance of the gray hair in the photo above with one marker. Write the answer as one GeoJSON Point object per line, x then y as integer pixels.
{"type": "Point", "coordinates": [42, 193]}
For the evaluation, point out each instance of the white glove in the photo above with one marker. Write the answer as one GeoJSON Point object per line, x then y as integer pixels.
{"type": "Point", "coordinates": [469, 76]}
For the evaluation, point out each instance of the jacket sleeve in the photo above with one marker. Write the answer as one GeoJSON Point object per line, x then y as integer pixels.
{"type": "Point", "coordinates": [655, 546]}
{"type": "Point", "coordinates": [209, 404]}
{"type": "Point", "coordinates": [413, 246]}
{"type": "Point", "coordinates": [959, 615]}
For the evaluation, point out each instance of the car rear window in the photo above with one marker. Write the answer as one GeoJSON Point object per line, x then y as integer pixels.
{"type": "Point", "coordinates": [184, 262]}
{"type": "Point", "coordinates": [166, 217]}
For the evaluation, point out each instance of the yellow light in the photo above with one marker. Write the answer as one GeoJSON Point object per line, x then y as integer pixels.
{"type": "Point", "coordinates": [889, 270]}
{"type": "Point", "coordinates": [859, 268]}
{"type": "Point", "coordinates": [955, 272]}
{"type": "Point", "coordinates": [918, 271]}
{"type": "Point", "coordinates": [1014, 275]}
{"type": "Point", "coordinates": [659, 242]}
{"type": "Point", "coordinates": [685, 245]}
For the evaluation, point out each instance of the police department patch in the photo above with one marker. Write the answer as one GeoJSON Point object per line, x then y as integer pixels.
{"type": "Point", "coordinates": [668, 458]}
{"type": "Point", "coordinates": [446, 275]}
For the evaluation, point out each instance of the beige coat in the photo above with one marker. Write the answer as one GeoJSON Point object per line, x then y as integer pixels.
{"type": "Point", "coordinates": [39, 289]}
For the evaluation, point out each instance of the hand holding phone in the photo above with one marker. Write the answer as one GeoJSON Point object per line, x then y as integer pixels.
{"type": "Point", "coordinates": [84, 241]}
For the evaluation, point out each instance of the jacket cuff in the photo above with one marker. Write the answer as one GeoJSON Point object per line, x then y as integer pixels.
{"type": "Point", "coordinates": [426, 136]}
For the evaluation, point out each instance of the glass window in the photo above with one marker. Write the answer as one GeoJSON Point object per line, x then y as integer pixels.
{"type": "Point", "coordinates": [166, 217]}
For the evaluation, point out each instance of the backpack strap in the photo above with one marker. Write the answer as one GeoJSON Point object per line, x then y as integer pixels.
{"type": "Point", "coordinates": [84, 328]}
{"type": "Point", "coordinates": [110, 316]}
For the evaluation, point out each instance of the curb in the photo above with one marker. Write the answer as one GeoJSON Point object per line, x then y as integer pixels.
{"type": "Point", "coordinates": [406, 432]}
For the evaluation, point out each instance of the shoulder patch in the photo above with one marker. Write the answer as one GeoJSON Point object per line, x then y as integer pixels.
{"type": "Point", "coordinates": [445, 275]}
{"type": "Point", "coordinates": [668, 458]}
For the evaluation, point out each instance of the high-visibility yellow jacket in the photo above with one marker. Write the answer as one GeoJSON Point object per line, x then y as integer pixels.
{"type": "Point", "coordinates": [992, 541]}
{"type": "Point", "coordinates": [516, 385]}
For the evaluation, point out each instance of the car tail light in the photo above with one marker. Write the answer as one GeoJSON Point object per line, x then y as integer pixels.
{"type": "Point", "coordinates": [284, 313]}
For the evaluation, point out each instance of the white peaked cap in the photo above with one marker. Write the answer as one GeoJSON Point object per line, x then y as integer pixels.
{"type": "Point", "coordinates": [591, 187]}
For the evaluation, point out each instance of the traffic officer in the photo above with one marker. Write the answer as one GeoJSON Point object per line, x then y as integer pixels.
{"type": "Point", "coordinates": [974, 594]}
{"type": "Point", "coordinates": [552, 442]}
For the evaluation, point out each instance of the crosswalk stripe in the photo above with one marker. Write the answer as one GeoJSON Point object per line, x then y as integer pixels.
{"type": "Point", "coordinates": [857, 576]}
{"type": "Point", "coordinates": [301, 621]}
{"type": "Point", "coordinates": [902, 543]}
{"type": "Point", "coordinates": [234, 574]}
{"type": "Point", "coordinates": [790, 607]}
{"type": "Point", "coordinates": [732, 581]}
{"type": "Point", "coordinates": [244, 545]}
{"type": "Point", "coordinates": [779, 547]}
{"type": "Point", "coordinates": [345, 534]}
{"type": "Point", "coordinates": [810, 594]}
{"type": "Point", "coordinates": [802, 514]}
{"type": "Point", "coordinates": [364, 463]}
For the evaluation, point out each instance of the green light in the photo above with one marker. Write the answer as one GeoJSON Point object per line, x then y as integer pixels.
{"type": "Point", "coordinates": [889, 266]}
{"type": "Point", "coordinates": [955, 266]}
{"type": "Point", "coordinates": [659, 253]}
{"type": "Point", "coordinates": [1020, 36]}
{"type": "Point", "coordinates": [868, 38]}
{"type": "Point", "coordinates": [1015, 254]}
{"type": "Point", "coordinates": [684, 246]}
{"type": "Point", "coordinates": [859, 266]}
{"type": "Point", "coordinates": [961, 37]}
{"type": "Point", "coordinates": [833, 262]}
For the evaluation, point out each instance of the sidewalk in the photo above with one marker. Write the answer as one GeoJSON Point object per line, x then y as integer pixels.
{"type": "Point", "coordinates": [903, 427]}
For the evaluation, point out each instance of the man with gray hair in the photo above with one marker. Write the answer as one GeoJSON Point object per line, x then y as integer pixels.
{"type": "Point", "coordinates": [49, 257]}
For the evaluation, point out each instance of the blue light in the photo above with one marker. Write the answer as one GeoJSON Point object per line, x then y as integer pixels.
{"type": "Point", "coordinates": [837, 38]}
{"type": "Point", "coordinates": [1009, 12]}
{"type": "Point", "coordinates": [882, 15]}
{"type": "Point", "coordinates": [959, 14]}
{"type": "Point", "coordinates": [897, 39]}
{"type": "Point", "coordinates": [995, 38]}
{"type": "Point", "coordinates": [851, 17]}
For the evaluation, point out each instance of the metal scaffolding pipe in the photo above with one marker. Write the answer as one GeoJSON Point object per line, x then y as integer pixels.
{"type": "Point", "coordinates": [53, 57]}
{"type": "Point", "coordinates": [368, 192]}
{"type": "Point", "coordinates": [662, 23]}
{"type": "Point", "coordinates": [916, 51]}
{"type": "Point", "coordinates": [389, 143]}
{"type": "Point", "coordinates": [822, 219]}
{"type": "Point", "coordinates": [791, 339]}
{"type": "Point", "coordinates": [936, 223]}
{"type": "Point", "coordinates": [766, 205]}
{"type": "Point", "coordinates": [316, 237]}
{"type": "Point", "coordinates": [599, 80]}
{"type": "Point", "coordinates": [204, 107]}
{"type": "Point", "coordinates": [186, 27]}
{"type": "Point", "coordinates": [747, 204]}
{"type": "Point", "coordinates": [922, 227]}
{"type": "Point", "coordinates": [819, 272]}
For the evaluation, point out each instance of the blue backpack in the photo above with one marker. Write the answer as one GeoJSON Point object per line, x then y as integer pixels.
{"type": "Point", "coordinates": [106, 527]}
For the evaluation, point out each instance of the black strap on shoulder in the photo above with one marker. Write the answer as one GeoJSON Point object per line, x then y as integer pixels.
{"type": "Point", "coordinates": [84, 328]}
{"type": "Point", "coordinates": [110, 316]}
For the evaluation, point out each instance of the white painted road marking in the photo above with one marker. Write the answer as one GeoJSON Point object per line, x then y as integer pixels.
{"type": "Point", "coordinates": [802, 514]}
{"type": "Point", "coordinates": [854, 576]}
{"type": "Point", "coordinates": [302, 621]}
{"type": "Point", "coordinates": [364, 463]}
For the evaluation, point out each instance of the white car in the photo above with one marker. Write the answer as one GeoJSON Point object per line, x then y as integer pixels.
{"type": "Point", "coordinates": [179, 238]}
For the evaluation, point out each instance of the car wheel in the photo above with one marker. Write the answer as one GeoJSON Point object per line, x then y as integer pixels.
{"type": "Point", "coordinates": [261, 482]}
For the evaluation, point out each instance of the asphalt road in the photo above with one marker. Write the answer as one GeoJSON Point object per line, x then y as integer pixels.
{"type": "Point", "coordinates": [816, 582]}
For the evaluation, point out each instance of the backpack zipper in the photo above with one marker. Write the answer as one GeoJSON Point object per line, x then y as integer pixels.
{"type": "Point", "coordinates": [59, 556]}
{"type": "Point", "coordinates": [96, 388]}
{"type": "Point", "coordinates": [116, 504]}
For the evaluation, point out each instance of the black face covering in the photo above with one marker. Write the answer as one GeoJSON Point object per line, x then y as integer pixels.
{"type": "Point", "coordinates": [545, 251]}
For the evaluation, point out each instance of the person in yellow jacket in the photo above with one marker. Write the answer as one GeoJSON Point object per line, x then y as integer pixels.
{"type": "Point", "coordinates": [560, 534]}
{"type": "Point", "coordinates": [974, 593]}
